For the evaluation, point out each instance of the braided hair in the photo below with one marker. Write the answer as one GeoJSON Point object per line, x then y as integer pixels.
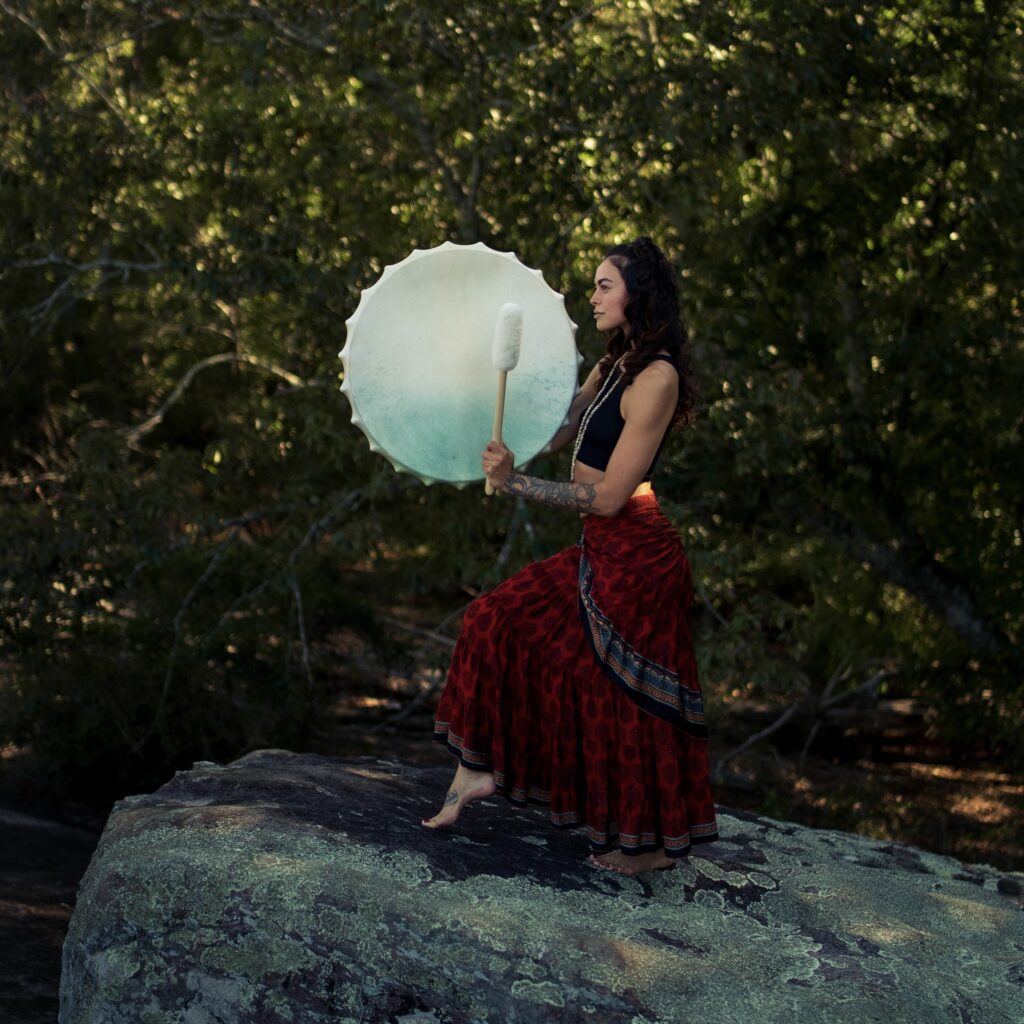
{"type": "Point", "coordinates": [655, 321]}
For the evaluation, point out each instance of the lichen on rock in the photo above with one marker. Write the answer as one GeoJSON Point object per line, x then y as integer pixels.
{"type": "Point", "coordinates": [298, 888]}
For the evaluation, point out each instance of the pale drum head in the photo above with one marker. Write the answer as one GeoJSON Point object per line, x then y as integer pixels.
{"type": "Point", "coordinates": [418, 368]}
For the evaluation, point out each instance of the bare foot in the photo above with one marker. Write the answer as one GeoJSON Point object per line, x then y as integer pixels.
{"type": "Point", "coordinates": [467, 785]}
{"type": "Point", "coordinates": [625, 864]}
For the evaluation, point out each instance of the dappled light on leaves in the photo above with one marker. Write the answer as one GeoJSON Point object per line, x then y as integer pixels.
{"type": "Point", "coordinates": [194, 198]}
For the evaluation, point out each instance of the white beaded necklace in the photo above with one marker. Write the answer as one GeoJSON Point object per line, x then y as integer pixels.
{"type": "Point", "coordinates": [603, 392]}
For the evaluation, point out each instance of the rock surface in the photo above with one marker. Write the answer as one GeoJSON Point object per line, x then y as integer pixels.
{"type": "Point", "coordinates": [299, 888]}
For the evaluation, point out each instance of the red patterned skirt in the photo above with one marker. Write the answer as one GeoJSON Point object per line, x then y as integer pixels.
{"type": "Point", "coordinates": [574, 681]}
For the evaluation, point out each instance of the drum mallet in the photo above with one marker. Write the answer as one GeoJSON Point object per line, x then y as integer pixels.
{"type": "Point", "coordinates": [508, 336]}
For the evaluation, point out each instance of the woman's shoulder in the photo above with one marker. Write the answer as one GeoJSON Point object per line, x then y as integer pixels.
{"type": "Point", "coordinates": [655, 386]}
{"type": "Point", "coordinates": [662, 367]}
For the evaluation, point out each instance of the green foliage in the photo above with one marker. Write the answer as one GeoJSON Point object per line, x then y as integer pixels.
{"type": "Point", "coordinates": [192, 200]}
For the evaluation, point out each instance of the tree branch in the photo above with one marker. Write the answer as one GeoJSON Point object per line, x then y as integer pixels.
{"type": "Point", "coordinates": [430, 634]}
{"type": "Point", "coordinates": [812, 705]}
{"type": "Point", "coordinates": [294, 584]}
{"type": "Point", "coordinates": [179, 619]}
{"type": "Point", "coordinates": [429, 685]}
{"type": "Point", "coordinates": [44, 38]}
{"type": "Point", "coordinates": [927, 581]}
{"type": "Point", "coordinates": [38, 313]}
{"type": "Point", "coordinates": [133, 434]}
{"type": "Point", "coordinates": [315, 531]}
{"type": "Point", "coordinates": [68, 61]}
{"type": "Point", "coordinates": [775, 726]}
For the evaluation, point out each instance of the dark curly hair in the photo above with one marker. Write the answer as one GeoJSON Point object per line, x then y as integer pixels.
{"type": "Point", "coordinates": [655, 321]}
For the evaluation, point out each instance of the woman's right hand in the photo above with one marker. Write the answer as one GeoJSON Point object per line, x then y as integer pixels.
{"type": "Point", "coordinates": [497, 462]}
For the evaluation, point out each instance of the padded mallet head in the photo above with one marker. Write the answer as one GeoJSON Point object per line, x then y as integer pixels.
{"type": "Point", "coordinates": [508, 336]}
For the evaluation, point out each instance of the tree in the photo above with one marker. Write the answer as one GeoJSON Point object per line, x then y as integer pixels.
{"type": "Point", "coordinates": [193, 198]}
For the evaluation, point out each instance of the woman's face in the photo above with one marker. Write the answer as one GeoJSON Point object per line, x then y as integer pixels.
{"type": "Point", "coordinates": [609, 298]}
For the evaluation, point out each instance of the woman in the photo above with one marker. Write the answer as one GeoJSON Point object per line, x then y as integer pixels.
{"type": "Point", "coordinates": [573, 683]}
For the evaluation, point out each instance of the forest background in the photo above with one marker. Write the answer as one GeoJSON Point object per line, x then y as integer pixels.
{"type": "Point", "coordinates": [200, 556]}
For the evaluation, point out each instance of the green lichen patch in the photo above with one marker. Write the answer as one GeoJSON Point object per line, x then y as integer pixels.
{"type": "Point", "coordinates": [324, 901]}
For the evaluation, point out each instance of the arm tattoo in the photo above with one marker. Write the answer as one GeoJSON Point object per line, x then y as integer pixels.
{"type": "Point", "coordinates": [577, 497]}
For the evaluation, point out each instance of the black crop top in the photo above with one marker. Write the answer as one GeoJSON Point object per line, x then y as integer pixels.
{"type": "Point", "coordinates": [604, 427]}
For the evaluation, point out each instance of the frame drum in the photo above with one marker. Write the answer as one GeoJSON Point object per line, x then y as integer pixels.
{"type": "Point", "coordinates": [418, 369]}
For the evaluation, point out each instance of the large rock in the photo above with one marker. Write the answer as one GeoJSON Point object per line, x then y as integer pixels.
{"type": "Point", "coordinates": [299, 888]}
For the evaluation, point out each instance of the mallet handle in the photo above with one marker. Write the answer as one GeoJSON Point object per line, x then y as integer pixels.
{"type": "Point", "coordinates": [499, 415]}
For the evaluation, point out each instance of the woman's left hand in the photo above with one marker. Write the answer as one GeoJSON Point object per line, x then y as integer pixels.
{"type": "Point", "coordinates": [497, 462]}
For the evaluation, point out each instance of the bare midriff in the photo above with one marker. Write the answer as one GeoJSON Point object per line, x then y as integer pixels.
{"type": "Point", "coordinates": [585, 474]}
